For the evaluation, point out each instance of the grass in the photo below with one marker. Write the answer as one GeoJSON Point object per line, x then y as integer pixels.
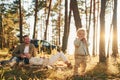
{"type": "Point", "coordinates": [94, 71]}
{"type": "Point", "coordinates": [20, 73]}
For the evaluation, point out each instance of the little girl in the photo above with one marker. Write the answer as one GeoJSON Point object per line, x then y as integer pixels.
{"type": "Point", "coordinates": [81, 52]}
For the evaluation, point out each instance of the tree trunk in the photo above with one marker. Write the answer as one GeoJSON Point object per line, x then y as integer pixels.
{"type": "Point", "coordinates": [88, 28]}
{"type": "Point", "coordinates": [47, 21]}
{"type": "Point", "coordinates": [74, 7]}
{"type": "Point", "coordinates": [20, 24]}
{"type": "Point", "coordinates": [1, 32]}
{"type": "Point", "coordinates": [36, 10]}
{"type": "Point", "coordinates": [109, 40]}
{"type": "Point", "coordinates": [115, 39]}
{"type": "Point", "coordinates": [102, 57]}
{"type": "Point", "coordinates": [66, 28]}
{"type": "Point", "coordinates": [94, 27]}
{"type": "Point", "coordinates": [59, 23]}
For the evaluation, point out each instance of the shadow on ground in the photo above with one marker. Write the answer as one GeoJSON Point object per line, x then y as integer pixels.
{"type": "Point", "coordinates": [24, 73]}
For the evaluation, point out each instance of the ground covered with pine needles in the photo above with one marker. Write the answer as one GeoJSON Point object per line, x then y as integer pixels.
{"type": "Point", "coordinates": [95, 71]}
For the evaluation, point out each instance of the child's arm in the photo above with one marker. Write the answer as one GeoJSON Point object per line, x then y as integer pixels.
{"type": "Point", "coordinates": [77, 42]}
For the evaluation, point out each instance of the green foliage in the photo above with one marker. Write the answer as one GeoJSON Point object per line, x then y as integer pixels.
{"type": "Point", "coordinates": [41, 4]}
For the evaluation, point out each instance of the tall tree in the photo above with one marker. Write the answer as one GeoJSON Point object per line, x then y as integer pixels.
{"type": "Point", "coordinates": [86, 13]}
{"type": "Point", "coordinates": [97, 24]}
{"type": "Point", "coordinates": [47, 21]}
{"type": "Point", "coordinates": [1, 28]}
{"type": "Point", "coordinates": [74, 7]}
{"type": "Point", "coordinates": [66, 28]}
{"type": "Point", "coordinates": [102, 57]}
{"type": "Point", "coordinates": [59, 23]}
{"type": "Point", "coordinates": [20, 24]}
{"type": "Point", "coordinates": [111, 30]}
{"type": "Point", "coordinates": [78, 24]}
{"type": "Point", "coordinates": [94, 26]}
{"type": "Point", "coordinates": [115, 39]}
{"type": "Point", "coordinates": [91, 1]}
{"type": "Point", "coordinates": [35, 21]}
{"type": "Point", "coordinates": [89, 23]}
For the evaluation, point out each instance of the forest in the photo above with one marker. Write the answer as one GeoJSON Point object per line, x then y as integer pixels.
{"type": "Point", "coordinates": [56, 21]}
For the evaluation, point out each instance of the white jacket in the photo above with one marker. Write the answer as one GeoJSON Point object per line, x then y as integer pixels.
{"type": "Point", "coordinates": [80, 47]}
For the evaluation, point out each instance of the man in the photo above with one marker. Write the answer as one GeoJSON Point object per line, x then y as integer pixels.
{"type": "Point", "coordinates": [24, 51]}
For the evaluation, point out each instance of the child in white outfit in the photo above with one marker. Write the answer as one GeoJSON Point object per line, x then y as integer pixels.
{"type": "Point", "coordinates": [81, 52]}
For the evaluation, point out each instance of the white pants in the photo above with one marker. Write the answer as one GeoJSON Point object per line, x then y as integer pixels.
{"type": "Point", "coordinates": [47, 61]}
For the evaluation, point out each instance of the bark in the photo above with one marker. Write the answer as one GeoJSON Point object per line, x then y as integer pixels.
{"type": "Point", "coordinates": [20, 24]}
{"type": "Point", "coordinates": [94, 27]}
{"type": "Point", "coordinates": [102, 57]}
{"type": "Point", "coordinates": [66, 28]}
{"type": "Point", "coordinates": [35, 22]}
{"type": "Point", "coordinates": [115, 39]}
{"type": "Point", "coordinates": [1, 32]}
{"type": "Point", "coordinates": [74, 7]}
{"type": "Point", "coordinates": [47, 21]}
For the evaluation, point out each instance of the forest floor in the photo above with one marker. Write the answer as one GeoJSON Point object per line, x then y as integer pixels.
{"type": "Point", "coordinates": [95, 70]}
